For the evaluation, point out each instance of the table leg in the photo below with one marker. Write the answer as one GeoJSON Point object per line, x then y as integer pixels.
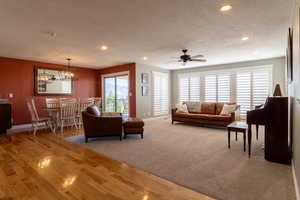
{"type": "Point", "coordinates": [228, 139]}
{"type": "Point", "coordinates": [236, 136]}
{"type": "Point", "coordinates": [249, 140]}
{"type": "Point", "coordinates": [244, 137]}
{"type": "Point", "coordinates": [257, 131]}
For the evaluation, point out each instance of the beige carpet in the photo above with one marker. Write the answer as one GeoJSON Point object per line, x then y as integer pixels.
{"type": "Point", "coordinates": [198, 158]}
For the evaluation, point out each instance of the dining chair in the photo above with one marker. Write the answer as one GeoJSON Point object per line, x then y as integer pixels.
{"type": "Point", "coordinates": [36, 121]}
{"type": "Point", "coordinates": [83, 103]}
{"type": "Point", "coordinates": [68, 112]}
{"type": "Point", "coordinates": [52, 103]}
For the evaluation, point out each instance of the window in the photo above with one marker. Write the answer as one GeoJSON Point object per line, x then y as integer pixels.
{"type": "Point", "coordinates": [243, 85]}
{"type": "Point", "coordinates": [210, 88]}
{"type": "Point", "coordinates": [189, 89]}
{"type": "Point", "coordinates": [246, 86]}
{"type": "Point", "coordinates": [160, 94]}
{"type": "Point", "coordinates": [224, 88]}
{"type": "Point", "coordinates": [184, 89]}
{"type": "Point", "coordinates": [261, 87]}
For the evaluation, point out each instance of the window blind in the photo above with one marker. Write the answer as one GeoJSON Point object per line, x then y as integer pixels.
{"type": "Point", "coordinates": [243, 85]}
{"type": "Point", "coordinates": [246, 86]}
{"type": "Point", "coordinates": [189, 89]}
{"type": "Point", "coordinates": [261, 88]}
{"type": "Point", "coordinates": [210, 88]}
{"type": "Point", "coordinates": [184, 89]}
{"type": "Point", "coordinates": [160, 93]}
{"type": "Point", "coordinates": [224, 88]}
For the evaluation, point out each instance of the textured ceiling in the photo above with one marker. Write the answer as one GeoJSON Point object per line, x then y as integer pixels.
{"type": "Point", "coordinates": [132, 29]}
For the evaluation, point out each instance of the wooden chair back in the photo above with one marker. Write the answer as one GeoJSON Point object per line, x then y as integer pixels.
{"type": "Point", "coordinates": [52, 103]}
{"type": "Point", "coordinates": [68, 108]}
{"type": "Point", "coordinates": [83, 103]}
{"type": "Point", "coordinates": [32, 110]}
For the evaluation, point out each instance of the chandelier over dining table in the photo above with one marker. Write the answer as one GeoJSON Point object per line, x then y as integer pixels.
{"type": "Point", "coordinates": [68, 74]}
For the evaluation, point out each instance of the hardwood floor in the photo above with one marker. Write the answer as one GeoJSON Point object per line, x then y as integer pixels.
{"type": "Point", "coordinates": [47, 167]}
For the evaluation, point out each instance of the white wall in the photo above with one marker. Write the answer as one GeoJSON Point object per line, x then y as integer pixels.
{"type": "Point", "coordinates": [144, 103]}
{"type": "Point", "coordinates": [294, 91]}
{"type": "Point", "coordinates": [279, 72]}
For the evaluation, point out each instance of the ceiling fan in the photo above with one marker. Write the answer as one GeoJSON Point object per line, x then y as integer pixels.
{"type": "Point", "coordinates": [186, 58]}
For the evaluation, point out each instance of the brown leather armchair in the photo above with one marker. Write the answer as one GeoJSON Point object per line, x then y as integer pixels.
{"type": "Point", "coordinates": [97, 125]}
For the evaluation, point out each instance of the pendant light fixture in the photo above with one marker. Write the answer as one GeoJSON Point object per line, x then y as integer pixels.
{"type": "Point", "coordinates": [68, 74]}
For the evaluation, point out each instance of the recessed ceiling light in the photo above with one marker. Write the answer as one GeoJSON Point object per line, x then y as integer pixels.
{"type": "Point", "coordinates": [245, 38]}
{"type": "Point", "coordinates": [226, 7]}
{"type": "Point", "coordinates": [145, 58]}
{"type": "Point", "coordinates": [104, 47]}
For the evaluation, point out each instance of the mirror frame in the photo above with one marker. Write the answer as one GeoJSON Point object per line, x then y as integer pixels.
{"type": "Point", "coordinates": [36, 92]}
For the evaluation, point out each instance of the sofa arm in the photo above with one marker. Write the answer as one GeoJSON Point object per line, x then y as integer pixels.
{"type": "Point", "coordinates": [237, 113]}
{"type": "Point", "coordinates": [174, 111]}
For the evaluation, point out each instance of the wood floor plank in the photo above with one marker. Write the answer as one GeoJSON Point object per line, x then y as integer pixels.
{"type": "Point", "coordinates": [47, 167]}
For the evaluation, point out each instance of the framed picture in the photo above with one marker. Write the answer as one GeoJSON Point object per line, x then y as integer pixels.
{"type": "Point", "coordinates": [289, 56]}
{"type": "Point", "coordinates": [145, 78]}
{"type": "Point", "coordinates": [145, 90]}
{"type": "Point", "coordinates": [51, 82]}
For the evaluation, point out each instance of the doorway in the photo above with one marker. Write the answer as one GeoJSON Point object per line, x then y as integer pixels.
{"type": "Point", "coordinates": [115, 93]}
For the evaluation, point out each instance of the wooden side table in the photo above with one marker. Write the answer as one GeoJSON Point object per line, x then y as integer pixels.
{"type": "Point", "coordinates": [237, 126]}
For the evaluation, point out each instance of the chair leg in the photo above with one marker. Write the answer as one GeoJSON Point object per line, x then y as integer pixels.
{"type": "Point", "coordinates": [86, 139]}
{"type": "Point", "coordinates": [121, 137]}
{"type": "Point", "coordinates": [34, 131]}
{"type": "Point", "coordinates": [142, 135]}
{"type": "Point", "coordinates": [62, 126]}
{"type": "Point", "coordinates": [75, 123]}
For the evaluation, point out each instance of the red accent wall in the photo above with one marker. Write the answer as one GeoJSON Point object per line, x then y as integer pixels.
{"type": "Point", "coordinates": [131, 67]}
{"type": "Point", "coordinates": [17, 77]}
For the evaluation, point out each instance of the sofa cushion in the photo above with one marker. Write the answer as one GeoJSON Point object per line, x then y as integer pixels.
{"type": "Point", "coordinates": [180, 114]}
{"type": "Point", "coordinates": [93, 110]}
{"type": "Point", "coordinates": [228, 109]}
{"type": "Point", "coordinates": [208, 108]}
{"type": "Point", "coordinates": [219, 108]}
{"type": "Point", "coordinates": [193, 107]}
{"type": "Point", "coordinates": [209, 117]}
{"type": "Point", "coordinates": [181, 108]}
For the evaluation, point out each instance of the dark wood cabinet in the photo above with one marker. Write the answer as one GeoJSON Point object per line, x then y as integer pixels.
{"type": "Point", "coordinates": [5, 116]}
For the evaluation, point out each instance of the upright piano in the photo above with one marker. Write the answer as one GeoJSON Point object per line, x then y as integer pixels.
{"type": "Point", "coordinates": [274, 116]}
{"type": "Point", "coordinates": [5, 116]}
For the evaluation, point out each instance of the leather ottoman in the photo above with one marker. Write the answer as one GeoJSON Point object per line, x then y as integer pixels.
{"type": "Point", "coordinates": [133, 126]}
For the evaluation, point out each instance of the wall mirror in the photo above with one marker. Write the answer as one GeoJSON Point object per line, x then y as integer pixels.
{"type": "Point", "coordinates": [52, 81]}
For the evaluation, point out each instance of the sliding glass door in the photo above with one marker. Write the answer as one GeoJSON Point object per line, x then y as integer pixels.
{"type": "Point", "coordinates": [116, 94]}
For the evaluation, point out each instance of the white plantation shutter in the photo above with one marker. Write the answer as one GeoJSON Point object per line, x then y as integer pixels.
{"type": "Point", "coordinates": [243, 94]}
{"type": "Point", "coordinates": [184, 89]}
{"type": "Point", "coordinates": [189, 89]}
{"type": "Point", "coordinates": [194, 89]}
{"type": "Point", "coordinates": [160, 94]}
{"type": "Point", "coordinates": [210, 88]}
{"type": "Point", "coordinates": [261, 86]}
{"type": "Point", "coordinates": [224, 88]}
{"type": "Point", "coordinates": [247, 86]}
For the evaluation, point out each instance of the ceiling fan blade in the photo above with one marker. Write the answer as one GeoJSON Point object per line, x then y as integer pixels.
{"type": "Point", "coordinates": [199, 60]}
{"type": "Point", "coordinates": [197, 56]}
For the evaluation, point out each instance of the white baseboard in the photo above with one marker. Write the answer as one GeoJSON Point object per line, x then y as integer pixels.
{"type": "Point", "coordinates": [295, 182]}
{"type": "Point", "coordinates": [155, 118]}
{"type": "Point", "coordinates": [20, 128]}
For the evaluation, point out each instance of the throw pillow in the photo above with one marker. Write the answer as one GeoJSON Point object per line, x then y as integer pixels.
{"type": "Point", "coordinates": [181, 108]}
{"type": "Point", "coordinates": [228, 109]}
{"type": "Point", "coordinates": [193, 107]}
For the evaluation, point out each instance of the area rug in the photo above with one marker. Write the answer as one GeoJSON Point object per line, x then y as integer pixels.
{"type": "Point", "coordinates": [198, 158]}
